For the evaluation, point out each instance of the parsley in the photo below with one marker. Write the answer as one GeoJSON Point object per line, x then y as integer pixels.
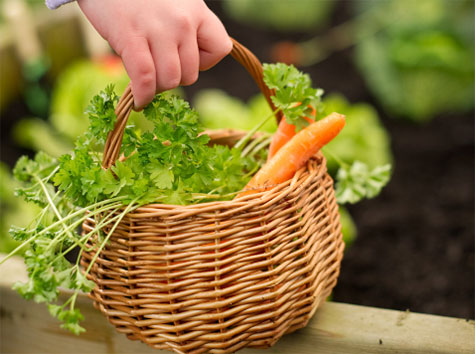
{"type": "Point", "coordinates": [294, 94]}
{"type": "Point", "coordinates": [51, 235]}
{"type": "Point", "coordinates": [357, 181]}
{"type": "Point", "coordinates": [169, 164]}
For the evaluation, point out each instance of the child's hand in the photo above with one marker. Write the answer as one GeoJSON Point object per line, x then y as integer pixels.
{"type": "Point", "coordinates": [163, 43]}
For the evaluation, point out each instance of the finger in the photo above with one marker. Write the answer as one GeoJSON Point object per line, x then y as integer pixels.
{"type": "Point", "coordinates": [167, 65]}
{"type": "Point", "coordinates": [189, 60]}
{"type": "Point", "coordinates": [140, 67]}
{"type": "Point", "coordinates": [213, 42]}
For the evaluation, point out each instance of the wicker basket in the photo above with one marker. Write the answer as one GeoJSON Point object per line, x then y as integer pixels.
{"type": "Point", "coordinates": [219, 276]}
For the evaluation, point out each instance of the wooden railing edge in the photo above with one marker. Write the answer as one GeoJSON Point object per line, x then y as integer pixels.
{"type": "Point", "coordinates": [27, 327]}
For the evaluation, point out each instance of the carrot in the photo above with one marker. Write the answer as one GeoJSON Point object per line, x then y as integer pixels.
{"type": "Point", "coordinates": [284, 133]}
{"type": "Point", "coordinates": [296, 152]}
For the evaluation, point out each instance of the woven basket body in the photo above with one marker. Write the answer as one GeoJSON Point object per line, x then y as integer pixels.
{"type": "Point", "coordinates": [224, 275]}
{"type": "Point", "coordinates": [219, 276]}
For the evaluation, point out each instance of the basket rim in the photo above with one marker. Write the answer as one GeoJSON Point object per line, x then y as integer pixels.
{"type": "Point", "coordinates": [311, 169]}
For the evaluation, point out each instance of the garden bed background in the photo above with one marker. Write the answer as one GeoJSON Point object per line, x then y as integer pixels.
{"type": "Point", "coordinates": [415, 244]}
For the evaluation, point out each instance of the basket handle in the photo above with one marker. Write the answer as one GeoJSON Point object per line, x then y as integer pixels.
{"type": "Point", "coordinates": [126, 103]}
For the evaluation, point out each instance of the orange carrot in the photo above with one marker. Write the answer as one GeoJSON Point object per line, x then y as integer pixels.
{"type": "Point", "coordinates": [284, 133]}
{"type": "Point", "coordinates": [297, 152]}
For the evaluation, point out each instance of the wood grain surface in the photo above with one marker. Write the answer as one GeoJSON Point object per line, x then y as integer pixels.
{"type": "Point", "coordinates": [27, 327]}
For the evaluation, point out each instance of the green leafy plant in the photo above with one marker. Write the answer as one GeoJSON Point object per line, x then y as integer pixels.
{"type": "Point", "coordinates": [364, 138]}
{"type": "Point", "coordinates": [357, 181]}
{"type": "Point", "coordinates": [169, 164]}
{"type": "Point", "coordinates": [217, 110]}
{"type": "Point", "coordinates": [421, 61]}
{"type": "Point", "coordinates": [294, 94]}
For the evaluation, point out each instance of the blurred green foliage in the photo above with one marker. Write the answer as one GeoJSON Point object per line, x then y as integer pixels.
{"type": "Point", "coordinates": [70, 96]}
{"type": "Point", "coordinates": [74, 89]}
{"type": "Point", "coordinates": [348, 227]}
{"type": "Point", "coordinates": [36, 92]}
{"type": "Point", "coordinates": [218, 110]}
{"type": "Point", "coordinates": [421, 62]}
{"type": "Point", "coordinates": [364, 137]}
{"type": "Point", "coordinates": [282, 15]}
{"type": "Point", "coordinates": [13, 210]}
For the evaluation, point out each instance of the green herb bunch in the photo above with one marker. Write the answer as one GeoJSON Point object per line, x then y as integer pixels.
{"type": "Point", "coordinates": [294, 94]}
{"type": "Point", "coordinates": [171, 164]}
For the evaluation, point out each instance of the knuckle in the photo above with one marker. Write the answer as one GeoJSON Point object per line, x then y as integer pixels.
{"type": "Point", "coordinates": [190, 79]}
{"type": "Point", "coordinates": [142, 96]}
{"type": "Point", "coordinates": [225, 47]}
{"type": "Point", "coordinates": [170, 78]}
{"type": "Point", "coordinates": [183, 23]}
{"type": "Point", "coordinates": [145, 75]}
{"type": "Point", "coordinates": [169, 83]}
{"type": "Point", "coordinates": [145, 79]}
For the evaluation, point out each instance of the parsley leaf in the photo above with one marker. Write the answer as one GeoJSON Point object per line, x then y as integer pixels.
{"type": "Point", "coordinates": [357, 181]}
{"type": "Point", "coordinates": [101, 113]}
{"type": "Point", "coordinates": [169, 164]}
{"type": "Point", "coordinates": [294, 94]}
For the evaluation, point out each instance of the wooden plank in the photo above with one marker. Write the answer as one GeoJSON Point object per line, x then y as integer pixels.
{"type": "Point", "coordinates": [27, 327]}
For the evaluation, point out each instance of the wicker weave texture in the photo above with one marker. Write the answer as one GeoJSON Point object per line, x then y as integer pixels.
{"type": "Point", "coordinates": [220, 276]}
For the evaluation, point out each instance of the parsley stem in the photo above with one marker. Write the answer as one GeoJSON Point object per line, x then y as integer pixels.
{"type": "Point", "coordinates": [129, 207]}
{"type": "Point", "coordinates": [260, 146]}
{"type": "Point", "coordinates": [251, 172]}
{"type": "Point", "coordinates": [73, 299]}
{"type": "Point", "coordinates": [53, 206]}
{"type": "Point", "coordinates": [81, 220]}
{"type": "Point", "coordinates": [105, 221]}
{"type": "Point", "coordinates": [47, 178]}
{"type": "Point", "coordinates": [251, 132]}
{"type": "Point", "coordinates": [52, 174]}
{"type": "Point", "coordinates": [17, 249]}
{"type": "Point", "coordinates": [82, 211]}
{"type": "Point", "coordinates": [253, 143]}
{"type": "Point", "coordinates": [331, 154]}
{"type": "Point", "coordinates": [74, 225]}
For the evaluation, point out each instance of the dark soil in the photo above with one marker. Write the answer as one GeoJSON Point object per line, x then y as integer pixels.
{"type": "Point", "coordinates": [415, 244]}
